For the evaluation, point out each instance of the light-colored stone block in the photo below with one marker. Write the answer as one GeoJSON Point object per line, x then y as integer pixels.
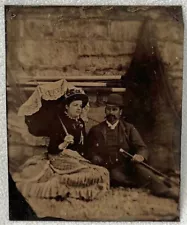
{"type": "Point", "coordinates": [101, 62]}
{"type": "Point", "coordinates": [176, 86]}
{"type": "Point", "coordinates": [175, 74]}
{"type": "Point", "coordinates": [92, 29]}
{"type": "Point", "coordinates": [125, 30]}
{"type": "Point", "coordinates": [172, 54]}
{"type": "Point", "coordinates": [14, 29]}
{"type": "Point", "coordinates": [101, 47]}
{"type": "Point", "coordinates": [46, 54]}
{"type": "Point", "coordinates": [169, 31]}
{"type": "Point", "coordinates": [64, 29]}
{"type": "Point", "coordinates": [38, 29]}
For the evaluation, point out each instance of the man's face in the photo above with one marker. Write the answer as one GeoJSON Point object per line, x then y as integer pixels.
{"type": "Point", "coordinates": [113, 113]}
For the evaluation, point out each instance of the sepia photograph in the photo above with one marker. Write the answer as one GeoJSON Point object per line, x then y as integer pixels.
{"type": "Point", "coordinates": [94, 112]}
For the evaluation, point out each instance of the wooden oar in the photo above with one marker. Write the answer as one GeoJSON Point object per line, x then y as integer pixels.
{"type": "Point", "coordinates": [150, 167]}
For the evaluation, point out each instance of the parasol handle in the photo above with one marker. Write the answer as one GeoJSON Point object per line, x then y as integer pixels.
{"type": "Point", "coordinates": [63, 126]}
{"type": "Point", "coordinates": [65, 130]}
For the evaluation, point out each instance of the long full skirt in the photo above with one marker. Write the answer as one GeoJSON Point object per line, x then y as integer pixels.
{"type": "Point", "coordinates": [64, 175]}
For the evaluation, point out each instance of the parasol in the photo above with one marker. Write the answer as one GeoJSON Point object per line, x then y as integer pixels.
{"type": "Point", "coordinates": [44, 104]}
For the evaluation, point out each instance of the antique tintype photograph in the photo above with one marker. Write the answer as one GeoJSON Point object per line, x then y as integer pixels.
{"type": "Point", "coordinates": [94, 102]}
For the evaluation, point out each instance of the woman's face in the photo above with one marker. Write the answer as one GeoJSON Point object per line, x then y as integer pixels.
{"type": "Point", "coordinates": [74, 109]}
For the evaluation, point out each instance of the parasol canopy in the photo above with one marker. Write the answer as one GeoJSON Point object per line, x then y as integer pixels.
{"type": "Point", "coordinates": [44, 104]}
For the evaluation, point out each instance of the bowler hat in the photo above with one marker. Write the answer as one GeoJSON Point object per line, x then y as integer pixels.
{"type": "Point", "coordinates": [76, 94]}
{"type": "Point", "coordinates": [115, 99]}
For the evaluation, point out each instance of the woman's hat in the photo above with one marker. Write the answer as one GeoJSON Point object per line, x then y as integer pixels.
{"type": "Point", "coordinates": [76, 94]}
{"type": "Point", "coordinates": [115, 99]}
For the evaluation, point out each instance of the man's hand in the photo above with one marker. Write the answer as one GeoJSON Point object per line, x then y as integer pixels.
{"type": "Point", "coordinates": [138, 158]}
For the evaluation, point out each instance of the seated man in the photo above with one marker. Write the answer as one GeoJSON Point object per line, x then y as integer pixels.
{"type": "Point", "coordinates": [104, 142]}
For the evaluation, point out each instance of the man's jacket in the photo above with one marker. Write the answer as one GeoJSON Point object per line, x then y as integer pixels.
{"type": "Point", "coordinates": [128, 138]}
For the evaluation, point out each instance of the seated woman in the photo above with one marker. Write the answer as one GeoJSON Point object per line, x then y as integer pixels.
{"type": "Point", "coordinates": [63, 171]}
{"type": "Point", "coordinates": [68, 126]}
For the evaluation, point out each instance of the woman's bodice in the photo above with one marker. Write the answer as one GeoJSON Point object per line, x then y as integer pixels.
{"type": "Point", "coordinates": [57, 133]}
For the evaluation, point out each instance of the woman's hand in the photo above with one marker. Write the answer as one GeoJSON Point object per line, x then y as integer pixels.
{"type": "Point", "coordinates": [69, 139]}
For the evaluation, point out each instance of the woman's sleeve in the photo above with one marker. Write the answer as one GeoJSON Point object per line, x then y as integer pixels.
{"type": "Point", "coordinates": [53, 144]}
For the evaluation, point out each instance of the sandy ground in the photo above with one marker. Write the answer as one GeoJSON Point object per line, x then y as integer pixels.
{"type": "Point", "coordinates": [118, 204]}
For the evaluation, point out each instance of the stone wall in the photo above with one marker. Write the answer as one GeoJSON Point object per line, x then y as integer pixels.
{"type": "Point", "coordinates": [64, 41]}
{"type": "Point", "coordinates": [85, 40]}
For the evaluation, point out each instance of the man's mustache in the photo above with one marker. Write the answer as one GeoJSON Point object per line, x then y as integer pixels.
{"type": "Point", "coordinates": [110, 116]}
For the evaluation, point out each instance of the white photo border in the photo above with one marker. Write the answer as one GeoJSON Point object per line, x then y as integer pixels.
{"type": "Point", "coordinates": [4, 207]}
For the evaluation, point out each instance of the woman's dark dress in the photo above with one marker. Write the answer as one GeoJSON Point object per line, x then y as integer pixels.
{"type": "Point", "coordinates": [76, 128]}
